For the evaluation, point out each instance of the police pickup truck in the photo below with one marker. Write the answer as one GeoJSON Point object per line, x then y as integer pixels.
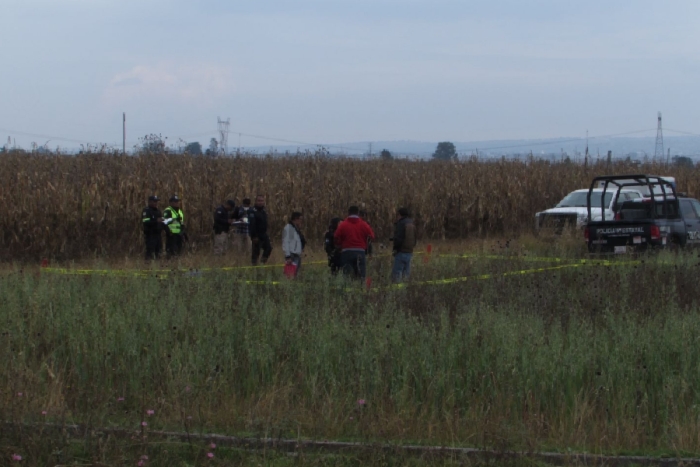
{"type": "Point", "coordinates": [661, 219]}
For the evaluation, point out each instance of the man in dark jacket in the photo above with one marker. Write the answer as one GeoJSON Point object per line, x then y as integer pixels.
{"type": "Point", "coordinates": [258, 231]}
{"type": "Point", "coordinates": [222, 225]}
{"type": "Point", "coordinates": [241, 232]}
{"type": "Point", "coordinates": [152, 221]}
{"type": "Point", "coordinates": [404, 243]}
{"type": "Point", "coordinates": [332, 251]}
{"type": "Point", "coordinates": [351, 237]}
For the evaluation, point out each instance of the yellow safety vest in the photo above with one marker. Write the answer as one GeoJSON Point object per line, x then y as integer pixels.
{"type": "Point", "coordinates": [178, 217]}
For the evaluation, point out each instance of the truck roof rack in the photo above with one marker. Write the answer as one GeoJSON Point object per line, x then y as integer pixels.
{"type": "Point", "coordinates": [634, 180]}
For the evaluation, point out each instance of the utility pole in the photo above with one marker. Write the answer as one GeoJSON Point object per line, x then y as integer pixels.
{"type": "Point", "coordinates": [370, 150]}
{"type": "Point", "coordinates": [659, 150]}
{"type": "Point", "coordinates": [124, 133]}
{"type": "Point", "coordinates": [585, 158]}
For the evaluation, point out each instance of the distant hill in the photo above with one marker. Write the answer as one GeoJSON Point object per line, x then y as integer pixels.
{"type": "Point", "coordinates": [621, 147]}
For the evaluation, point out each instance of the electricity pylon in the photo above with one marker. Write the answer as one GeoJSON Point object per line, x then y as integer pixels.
{"type": "Point", "coordinates": [223, 134]}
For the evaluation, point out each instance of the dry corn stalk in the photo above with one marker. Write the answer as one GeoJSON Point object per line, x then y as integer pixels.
{"type": "Point", "coordinates": [73, 206]}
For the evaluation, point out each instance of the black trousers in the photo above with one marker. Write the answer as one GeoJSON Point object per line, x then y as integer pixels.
{"type": "Point", "coordinates": [154, 245]}
{"type": "Point", "coordinates": [173, 244]}
{"type": "Point", "coordinates": [335, 263]}
{"type": "Point", "coordinates": [263, 245]}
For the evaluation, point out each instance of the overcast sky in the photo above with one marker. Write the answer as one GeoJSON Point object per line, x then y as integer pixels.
{"type": "Point", "coordinates": [343, 71]}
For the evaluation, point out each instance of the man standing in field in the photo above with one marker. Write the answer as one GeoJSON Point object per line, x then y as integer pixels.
{"type": "Point", "coordinates": [404, 243]}
{"type": "Point", "coordinates": [334, 261]}
{"type": "Point", "coordinates": [293, 241]}
{"type": "Point", "coordinates": [222, 225]}
{"type": "Point", "coordinates": [152, 221]}
{"type": "Point", "coordinates": [258, 231]}
{"type": "Point", "coordinates": [174, 227]}
{"type": "Point", "coordinates": [241, 234]}
{"type": "Point", "coordinates": [351, 237]}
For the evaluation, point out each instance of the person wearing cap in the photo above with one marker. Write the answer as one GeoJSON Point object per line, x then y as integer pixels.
{"type": "Point", "coordinates": [152, 221]}
{"type": "Point", "coordinates": [174, 227]}
{"type": "Point", "coordinates": [222, 226]}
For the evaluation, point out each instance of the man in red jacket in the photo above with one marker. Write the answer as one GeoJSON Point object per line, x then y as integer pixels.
{"type": "Point", "coordinates": [351, 237]}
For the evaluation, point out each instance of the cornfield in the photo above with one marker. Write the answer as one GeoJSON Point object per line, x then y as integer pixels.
{"type": "Point", "coordinates": [63, 206]}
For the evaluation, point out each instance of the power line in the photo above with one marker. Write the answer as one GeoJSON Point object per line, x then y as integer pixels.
{"type": "Point", "coordinates": [57, 138]}
{"type": "Point", "coordinates": [572, 140]}
{"type": "Point", "coordinates": [197, 135]}
{"type": "Point", "coordinates": [281, 140]}
{"type": "Point", "coordinates": [207, 133]}
{"type": "Point", "coordinates": [301, 143]}
{"type": "Point", "coordinates": [682, 132]}
{"type": "Point", "coordinates": [347, 148]}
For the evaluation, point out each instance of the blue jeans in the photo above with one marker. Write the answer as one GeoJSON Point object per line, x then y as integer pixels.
{"type": "Point", "coordinates": [402, 266]}
{"type": "Point", "coordinates": [354, 263]}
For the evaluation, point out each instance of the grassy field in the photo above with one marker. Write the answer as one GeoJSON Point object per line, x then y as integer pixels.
{"type": "Point", "coordinates": [562, 355]}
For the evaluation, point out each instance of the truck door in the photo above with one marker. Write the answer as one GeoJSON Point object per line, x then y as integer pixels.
{"type": "Point", "coordinates": [691, 217]}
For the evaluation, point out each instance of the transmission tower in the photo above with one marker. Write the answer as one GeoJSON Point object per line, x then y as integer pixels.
{"type": "Point", "coordinates": [659, 150]}
{"type": "Point", "coordinates": [223, 134]}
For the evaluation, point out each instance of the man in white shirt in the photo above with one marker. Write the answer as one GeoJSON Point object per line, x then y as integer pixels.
{"type": "Point", "coordinates": [293, 241]}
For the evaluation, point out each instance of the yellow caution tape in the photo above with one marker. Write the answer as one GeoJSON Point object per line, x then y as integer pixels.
{"type": "Point", "coordinates": [506, 257]}
{"type": "Point", "coordinates": [542, 259]}
{"type": "Point", "coordinates": [163, 273]}
{"type": "Point", "coordinates": [148, 272]}
{"type": "Point", "coordinates": [103, 272]}
{"type": "Point", "coordinates": [455, 280]}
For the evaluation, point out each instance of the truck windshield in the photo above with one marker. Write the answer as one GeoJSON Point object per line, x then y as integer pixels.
{"type": "Point", "coordinates": [577, 199]}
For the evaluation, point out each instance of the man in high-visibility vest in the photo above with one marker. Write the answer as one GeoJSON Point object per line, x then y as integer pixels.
{"type": "Point", "coordinates": [174, 221]}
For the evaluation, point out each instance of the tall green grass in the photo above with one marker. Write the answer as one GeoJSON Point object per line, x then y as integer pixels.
{"type": "Point", "coordinates": [602, 358]}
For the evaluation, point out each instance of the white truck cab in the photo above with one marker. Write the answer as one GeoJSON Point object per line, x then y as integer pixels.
{"type": "Point", "coordinates": [572, 210]}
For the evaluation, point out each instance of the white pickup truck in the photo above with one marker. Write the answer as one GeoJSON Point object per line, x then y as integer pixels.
{"type": "Point", "coordinates": [572, 211]}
